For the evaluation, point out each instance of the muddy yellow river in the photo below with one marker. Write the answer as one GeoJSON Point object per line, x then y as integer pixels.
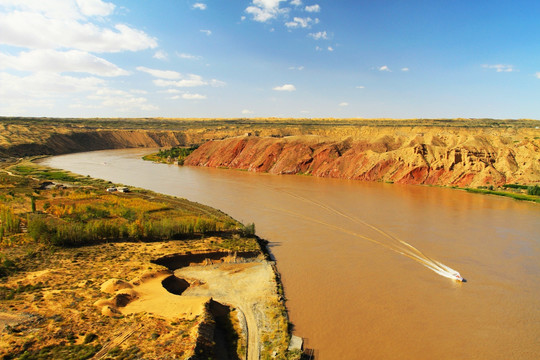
{"type": "Point", "coordinates": [349, 255]}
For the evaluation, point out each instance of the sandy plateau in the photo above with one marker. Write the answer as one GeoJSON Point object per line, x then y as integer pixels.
{"type": "Point", "coordinates": [155, 313]}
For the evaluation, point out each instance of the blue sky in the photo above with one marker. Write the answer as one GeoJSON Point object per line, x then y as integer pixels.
{"type": "Point", "coordinates": [263, 58]}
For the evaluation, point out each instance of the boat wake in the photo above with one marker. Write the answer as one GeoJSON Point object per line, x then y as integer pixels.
{"type": "Point", "coordinates": [386, 240]}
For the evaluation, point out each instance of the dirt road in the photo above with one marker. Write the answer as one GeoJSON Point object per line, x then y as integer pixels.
{"type": "Point", "coordinates": [246, 286]}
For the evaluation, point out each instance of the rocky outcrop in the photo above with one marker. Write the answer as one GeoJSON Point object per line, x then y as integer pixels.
{"type": "Point", "coordinates": [459, 158]}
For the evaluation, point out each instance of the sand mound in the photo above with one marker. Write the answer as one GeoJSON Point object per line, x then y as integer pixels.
{"type": "Point", "coordinates": [113, 285]}
{"type": "Point", "coordinates": [109, 310]}
{"type": "Point", "coordinates": [154, 292]}
{"type": "Point", "coordinates": [150, 276]}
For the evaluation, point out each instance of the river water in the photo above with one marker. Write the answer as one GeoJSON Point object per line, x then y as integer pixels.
{"type": "Point", "coordinates": [342, 247]}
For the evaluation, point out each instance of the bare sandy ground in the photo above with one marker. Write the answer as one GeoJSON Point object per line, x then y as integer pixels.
{"type": "Point", "coordinates": [249, 287]}
{"type": "Point", "coordinates": [246, 286]}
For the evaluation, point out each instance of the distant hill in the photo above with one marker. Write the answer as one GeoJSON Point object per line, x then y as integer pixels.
{"type": "Point", "coordinates": [452, 152]}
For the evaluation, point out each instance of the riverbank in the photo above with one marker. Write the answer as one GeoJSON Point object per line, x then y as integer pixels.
{"type": "Point", "coordinates": [56, 301]}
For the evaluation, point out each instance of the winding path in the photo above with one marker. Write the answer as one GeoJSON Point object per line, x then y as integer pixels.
{"type": "Point", "coordinates": [244, 286]}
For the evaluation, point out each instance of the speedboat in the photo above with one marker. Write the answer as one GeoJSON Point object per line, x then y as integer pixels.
{"type": "Point", "coordinates": [457, 276]}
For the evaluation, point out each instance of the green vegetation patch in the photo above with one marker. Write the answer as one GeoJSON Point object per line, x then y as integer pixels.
{"type": "Point", "coordinates": [80, 212]}
{"type": "Point", "coordinates": [515, 186]}
{"type": "Point", "coordinates": [516, 196]}
{"type": "Point", "coordinates": [58, 352]}
{"type": "Point", "coordinates": [7, 293]}
{"type": "Point", "coordinates": [7, 266]}
{"type": "Point", "coordinates": [172, 155]}
{"type": "Point", "coordinates": [41, 173]}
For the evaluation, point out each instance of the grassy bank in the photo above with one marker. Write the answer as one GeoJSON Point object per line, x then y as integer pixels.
{"type": "Point", "coordinates": [514, 191]}
{"type": "Point", "coordinates": [512, 195]}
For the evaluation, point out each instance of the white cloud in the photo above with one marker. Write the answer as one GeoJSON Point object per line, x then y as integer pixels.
{"type": "Point", "coordinates": [405, 69]}
{"type": "Point", "coordinates": [187, 56]}
{"type": "Point", "coordinates": [162, 74]}
{"type": "Point", "coordinates": [286, 87]}
{"type": "Point", "coordinates": [121, 100]}
{"type": "Point", "coordinates": [160, 55]}
{"type": "Point", "coordinates": [301, 22]}
{"type": "Point", "coordinates": [207, 32]}
{"type": "Point", "coordinates": [64, 36]}
{"type": "Point", "coordinates": [60, 61]}
{"type": "Point", "coordinates": [26, 106]}
{"type": "Point", "coordinates": [52, 8]}
{"type": "Point", "coordinates": [217, 83]}
{"type": "Point", "coordinates": [300, 68]}
{"type": "Point", "coordinates": [384, 68]}
{"type": "Point", "coordinates": [500, 67]}
{"type": "Point", "coordinates": [296, 2]}
{"type": "Point", "coordinates": [189, 96]}
{"type": "Point", "coordinates": [200, 6]}
{"type": "Point", "coordinates": [95, 7]}
{"type": "Point", "coordinates": [170, 91]}
{"type": "Point", "coordinates": [45, 85]}
{"type": "Point", "coordinates": [264, 10]}
{"type": "Point", "coordinates": [537, 75]}
{"type": "Point", "coordinates": [189, 80]}
{"type": "Point", "coordinates": [329, 48]}
{"type": "Point", "coordinates": [247, 112]}
{"type": "Point", "coordinates": [344, 104]}
{"type": "Point", "coordinates": [319, 35]}
{"type": "Point", "coordinates": [138, 91]}
{"type": "Point", "coordinates": [313, 8]}
{"type": "Point", "coordinates": [36, 31]}
{"type": "Point", "coordinates": [360, 87]}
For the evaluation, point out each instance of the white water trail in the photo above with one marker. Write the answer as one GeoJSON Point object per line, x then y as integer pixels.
{"type": "Point", "coordinates": [395, 244]}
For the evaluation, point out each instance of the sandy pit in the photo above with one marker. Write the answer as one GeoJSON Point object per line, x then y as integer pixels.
{"type": "Point", "coordinates": [249, 287]}
{"type": "Point", "coordinates": [148, 294]}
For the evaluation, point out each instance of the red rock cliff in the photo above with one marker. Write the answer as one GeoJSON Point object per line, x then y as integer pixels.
{"type": "Point", "coordinates": [459, 158]}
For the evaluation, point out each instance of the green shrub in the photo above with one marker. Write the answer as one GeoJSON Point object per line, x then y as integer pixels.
{"type": "Point", "coordinates": [7, 266]}
{"type": "Point", "coordinates": [88, 338]}
{"type": "Point", "coordinates": [37, 227]}
{"type": "Point", "coordinates": [79, 352]}
{"type": "Point", "coordinates": [248, 230]}
{"type": "Point", "coordinates": [533, 190]}
{"type": "Point", "coordinates": [10, 222]}
{"type": "Point", "coordinates": [515, 186]}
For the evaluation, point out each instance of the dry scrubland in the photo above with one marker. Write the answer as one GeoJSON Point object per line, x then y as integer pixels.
{"type": "Point", "coordinates": [79, 274]}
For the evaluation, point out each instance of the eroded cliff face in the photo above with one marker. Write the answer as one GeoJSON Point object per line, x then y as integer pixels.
{"type": "Point", "coordinates": [438, 152]}
{"type": "Point", "coordinates": [462, 157]}
{"type": "Point", "coordinates": [69, 142]}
